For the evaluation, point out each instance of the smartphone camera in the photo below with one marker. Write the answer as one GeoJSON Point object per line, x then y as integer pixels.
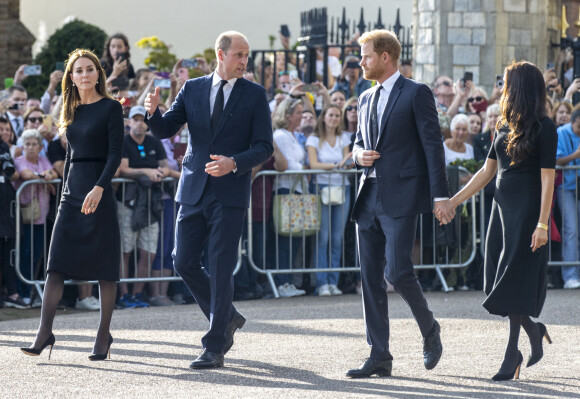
{"type": "Point", "coordinates": [499, 81]}
{"type": "Point", "coordinates": [193, 63]}
{"type": "Point", "coordinates": [162, 83]}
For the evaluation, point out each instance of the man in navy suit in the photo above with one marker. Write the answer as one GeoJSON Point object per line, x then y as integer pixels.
{"type": "Point", "coordinates": [399, 145]}
{"type": "Point", "coordinates": [230, 132]}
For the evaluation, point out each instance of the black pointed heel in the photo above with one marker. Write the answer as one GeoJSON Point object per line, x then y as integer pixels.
{"type": "Point", "coordinates": [515, 374]}
{"type": "Point", "coordinates": [536, 357]}
{"type": "Point", "coordinates": [36, 352]}
{"type": "Point", "coordinates": [105, 355]}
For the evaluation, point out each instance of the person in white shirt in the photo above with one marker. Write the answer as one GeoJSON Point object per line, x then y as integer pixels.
{"type": "Point", "coordinates": [328, 148]}
{"type": "Point", "coordinates": [286, 120]}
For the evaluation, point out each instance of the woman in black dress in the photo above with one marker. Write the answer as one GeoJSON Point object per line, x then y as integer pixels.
{"type": "Point", "coordinates": [85, 241]}
{"type": "Point", "coordinates": [523, 153]}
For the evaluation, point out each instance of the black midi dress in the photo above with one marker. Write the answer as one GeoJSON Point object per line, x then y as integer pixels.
{"type": "Point", "coordinates": [87, 247]}
{"type": "Point", "coordinates": [515, 277]}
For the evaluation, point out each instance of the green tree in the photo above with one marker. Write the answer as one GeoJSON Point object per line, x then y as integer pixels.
{"type": "Point", "coordinates": [73, 35]}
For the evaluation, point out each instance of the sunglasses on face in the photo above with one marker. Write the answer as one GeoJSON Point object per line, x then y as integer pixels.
{"type": "Point", "coordinates": [141, 151]}
{"type": "Point", "coordinates": [35, 120]}
{"type": "Point", "coordinates": [472, 99]}
{"type": "Point", "coordinates": [351, 107]}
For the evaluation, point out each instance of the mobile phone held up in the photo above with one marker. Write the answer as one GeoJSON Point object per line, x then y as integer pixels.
{"type": "Point", "coordinates": [466, 76]}
{"type": "Point", "coordinates": [59, 66]}
{"type": "Point", "coordinates": [499, 81]}
{"type": "Point", "coordinates": [193, 63]}
{"type": "Point", "coordinates": [310, 88]}
{"type": "Point", "coordinates": [284, 31]}
{"type": "Point", "coordinates": [32, 70]}
{"type": "Point", "coordinates": [122, 56]}
{"type": "Point", "coordinates": [162, 83]}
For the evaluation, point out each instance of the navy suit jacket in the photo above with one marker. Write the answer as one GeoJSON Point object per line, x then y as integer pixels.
{"type": "Point", "coordinates": [411, 169]}
{"type": "Point", "coordinates": [244, 133]}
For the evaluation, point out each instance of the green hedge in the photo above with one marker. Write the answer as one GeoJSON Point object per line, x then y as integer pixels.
{"type": "Point", "coordinates": [73, 35]}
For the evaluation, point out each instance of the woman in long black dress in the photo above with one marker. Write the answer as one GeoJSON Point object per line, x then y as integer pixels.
{"type": "Point", "coordinates": [523, 153]}
{"type": "Point", "coordinates": [85, 241]}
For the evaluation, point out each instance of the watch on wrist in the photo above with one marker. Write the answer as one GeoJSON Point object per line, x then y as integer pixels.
{"type": "Point", "coordinates": [235, 165]}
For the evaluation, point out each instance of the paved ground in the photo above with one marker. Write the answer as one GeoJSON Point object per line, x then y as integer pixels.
{"type": "Point", "coordinates": [292, 348]}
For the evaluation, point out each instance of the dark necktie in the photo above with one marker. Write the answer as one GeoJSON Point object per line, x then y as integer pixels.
{"type": "Point", "coordinates": [374, 119]}
{"type": "Point", "coordinates": [18, 129]}
{"type": "Point", "coordinates": [218, 106]}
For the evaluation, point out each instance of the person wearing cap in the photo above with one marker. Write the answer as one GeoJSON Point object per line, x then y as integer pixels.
{"type": "Point", "coordinates": [144, 160]}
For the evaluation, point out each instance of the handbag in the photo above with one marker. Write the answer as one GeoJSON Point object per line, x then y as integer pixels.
{"type": "Point", "coordinates": [30, 212]}
{"type": "Point", "coordinates": [296, 214]}
{"type": "Point", "coordinates": [332, 195]}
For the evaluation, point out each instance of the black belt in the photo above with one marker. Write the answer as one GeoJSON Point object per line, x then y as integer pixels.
{"type": "Point", "coordinates": [89, 160]}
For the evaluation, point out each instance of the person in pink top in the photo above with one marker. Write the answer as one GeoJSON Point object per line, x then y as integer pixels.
{"type": "Point", "coordinates": [32, 166]}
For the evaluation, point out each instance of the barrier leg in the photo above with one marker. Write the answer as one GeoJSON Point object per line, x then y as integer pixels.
{"type": "Point", "coordinates": [441, 278]}
{"type": "Point", "coordinates": [39, 290]}
{"type": "Point", "coordinates": [273, 285]}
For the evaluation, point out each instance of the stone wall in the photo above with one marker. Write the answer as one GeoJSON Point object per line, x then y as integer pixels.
{"type": "Point", "coordinates": [482, 36]}
{"type": "Point", "coordinates": [15, 40]}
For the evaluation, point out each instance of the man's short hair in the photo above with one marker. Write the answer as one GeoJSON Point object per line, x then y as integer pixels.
{"type": "Point", "coordinates": [224, 40]}
{"type": "Point", "coordinates": [575, 115]}
{"type": "Point", "coordinates": [16, 87]}
{"type": "Point", "coordinates": [384, 41]}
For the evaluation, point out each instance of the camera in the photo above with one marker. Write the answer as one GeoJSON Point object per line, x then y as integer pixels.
{"type": "Point", "coordinates": [499, 81]}
{"type": "Point", "coordinates": [7, 164]}
{"type": "Point", "coordinates": [193, 63]}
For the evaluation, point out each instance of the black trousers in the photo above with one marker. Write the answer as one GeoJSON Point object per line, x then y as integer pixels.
{"type": "Point", "coordinates": [385, 245]}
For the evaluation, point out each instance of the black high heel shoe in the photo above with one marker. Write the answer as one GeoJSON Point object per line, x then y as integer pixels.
{"type": "Point", "coordinates": [106, 354]}
{"type": "Point", "coordinates": [536, 357]}
{"type": "Point", "coordinates": [515, 374]}
{"type": "Point", "coordinates": [35, 352]}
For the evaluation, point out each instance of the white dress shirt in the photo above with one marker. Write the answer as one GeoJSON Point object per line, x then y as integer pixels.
{"type": "Point", "coordinates": [215, 85]}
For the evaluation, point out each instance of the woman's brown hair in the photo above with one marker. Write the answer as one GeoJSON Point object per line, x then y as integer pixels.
{"type": "Point", "coordinates": [320, 128]}
{"type": "Point", "coordinates": [522, 106]}
{"type": "Point", "coordinates": [70, 94]}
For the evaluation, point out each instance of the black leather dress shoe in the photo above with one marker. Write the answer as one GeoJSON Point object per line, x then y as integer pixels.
{"type": "Point", "coordinates": [237, 321]}
{"type": "Point", "coordinates": [381, 368]}
{"type": "Point", "coordinates": [432, 347]}
{"type": "Point", "coordinates": [208, 360]}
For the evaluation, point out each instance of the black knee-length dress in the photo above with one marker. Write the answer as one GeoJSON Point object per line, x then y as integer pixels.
{"type": "Point", "coordinates": [515, 277]}
{"type": "Point", "coordinates": [87, 247]}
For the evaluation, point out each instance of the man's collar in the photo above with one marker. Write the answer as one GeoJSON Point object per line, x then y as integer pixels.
{"type": "Point", "coordinates": [216, 79]}
{"type": "Point", "coordinates": [390, 82]}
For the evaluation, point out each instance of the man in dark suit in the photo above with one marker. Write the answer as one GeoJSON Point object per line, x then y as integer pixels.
{"type": "Point", "coordinates": [399, 145]}
{"type": "Point", "coordinates": [230, 132]}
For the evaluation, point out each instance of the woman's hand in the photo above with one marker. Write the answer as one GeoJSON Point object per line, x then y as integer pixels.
{"type": "Point", "coordinates": [342, 163]}
{"type": "Point", "coordinates": [119, 66]}
{"type": "Point", "coordinates": [539, 238]}
{"type": "Point", "coordinates": [92, 200]}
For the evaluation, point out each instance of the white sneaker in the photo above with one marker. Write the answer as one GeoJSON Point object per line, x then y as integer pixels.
{"type": "Point", "coordinates": [85, 304]}
{"type": "Point", "coordinates": [289, 290]}
{"type": "Point", "coordinates": [463, 288]}
{"type": "Point", "coordinates": [95, 302]}
{"type": "Point", "coordinates": [324, 290]}
{"type": "Point", "coordinates": [334, 290]}
{"type": "Point", "coordinates": [37, 303]}
{"type": "Point", "coordinates": [572, 284]}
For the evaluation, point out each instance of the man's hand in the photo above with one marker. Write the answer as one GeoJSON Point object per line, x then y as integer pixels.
{"type": "Point", "coordinates": [20, 75]}
{"type": "Point", "coordinates": [444, 211]}
{"type": "Point", "coordinates": [152, 101]}
{"type": "Point", "coordinates": [55, 80]}
{"type": "Point", "coordinates": [220, 165]}
{"type": "Point", "coordinates": [155, 175]}
{"type": "Point", "coordinates": [367, 158]}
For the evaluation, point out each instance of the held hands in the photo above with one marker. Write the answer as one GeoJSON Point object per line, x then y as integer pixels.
{"type": "Point", "coordinates": [155, 175]}
{"type": "Point", "coordinates": [220, 166]}
{"type": "Point", "coordinates": [444, 211]}
{"type": "Point", "coordinates": [92, 200]}
{"type": "Point", "coordinates": [539, 238]}
{"type": "Point", "coordinates": [366, 158]}
{"type": "Point", "coordinates": [152, 101]}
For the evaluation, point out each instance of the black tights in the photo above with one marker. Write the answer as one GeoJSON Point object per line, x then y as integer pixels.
{"type": "Point", "coordinates": [532, 330]}
{"type": "Point", "coordinates": [52, 295]}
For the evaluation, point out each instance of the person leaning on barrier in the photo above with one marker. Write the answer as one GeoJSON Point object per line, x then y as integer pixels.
{"type": "Point", "coordinates": [8, 277]}
{"type": "Point", "coordinates": [569, 155]}
{"type": "Point", "coordinates": [32, 166]}
{"type": "Point", "coordinates": [329, 148]}
{"type": "Point", "coordinates": [144, 160]}
{"type": "Point", "coordinates": [286, 120]}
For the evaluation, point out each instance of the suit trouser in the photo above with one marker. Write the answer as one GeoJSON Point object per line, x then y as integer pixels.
{"type": "Point", "coordinates": [385, 245]}
{"type": "Point", "coordinates": [220, 227]}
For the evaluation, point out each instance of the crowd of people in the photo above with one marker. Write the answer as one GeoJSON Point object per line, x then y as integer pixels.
{"type": "Point", "coordinates": [314, 127]}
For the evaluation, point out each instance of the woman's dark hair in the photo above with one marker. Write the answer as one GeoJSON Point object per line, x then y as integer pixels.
{"type": "Point", "coordinates": [522, 106]}
{"type": "Point", "coordinates": [107, 58]}
{"type": "Point", "coordinates": [12, 134]}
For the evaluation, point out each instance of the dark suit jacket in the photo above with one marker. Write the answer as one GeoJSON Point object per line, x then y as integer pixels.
{"type": "Point", "coordinates": [411, 169]}
{"type": "Point", "coordinates": [244, 133]}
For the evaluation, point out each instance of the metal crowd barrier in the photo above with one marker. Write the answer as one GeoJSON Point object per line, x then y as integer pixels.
{"type": "Point", "coordinates": [38, 271]}
{"type": "Point", "coordinates": [306, 259]}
